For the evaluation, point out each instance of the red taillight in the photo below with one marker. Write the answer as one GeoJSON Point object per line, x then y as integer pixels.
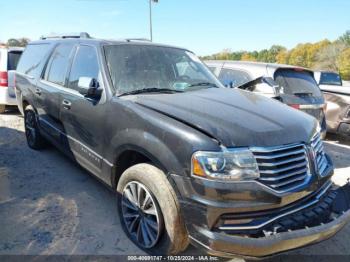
{"type": "Point", "coordinates": [3, 79]}
{"type": "Point", "coordinates": [296, 106]}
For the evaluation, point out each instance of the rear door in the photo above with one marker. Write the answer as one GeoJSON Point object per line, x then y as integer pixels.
{"type": "Point", "coordinates": [48, 90]}
{"type": "Point", "coordinates": [84, 118]}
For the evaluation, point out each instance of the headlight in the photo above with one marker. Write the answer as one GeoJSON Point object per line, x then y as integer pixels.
{"type": "Point", "coordinates": [232, 165]}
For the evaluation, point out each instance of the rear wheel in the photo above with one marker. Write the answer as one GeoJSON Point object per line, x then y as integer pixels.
{"type": "Point", "coordinates": [34, 138]}
{"type": "Point", "coordinates": [2, 109]}
{"type": "Point", "coordinates": [149, 211]}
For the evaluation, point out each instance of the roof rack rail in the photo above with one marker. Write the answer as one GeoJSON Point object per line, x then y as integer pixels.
{"type": "Point", "coordinates": [62, 36]}
{"type": "Point", "coordinates": [137, 39]}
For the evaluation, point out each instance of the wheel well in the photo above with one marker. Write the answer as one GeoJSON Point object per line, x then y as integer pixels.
{"type": "Point", "coordinates": [127, 159]}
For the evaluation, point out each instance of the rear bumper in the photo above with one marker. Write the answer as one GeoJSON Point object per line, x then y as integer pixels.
{"type": "Point", "coordinates": [6, 98]}
{"type": "Point", "coordinates": [230, 245]}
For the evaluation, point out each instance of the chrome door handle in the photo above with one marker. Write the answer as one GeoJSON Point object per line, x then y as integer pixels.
{"type": "Point", "coordinates": [66, 104]}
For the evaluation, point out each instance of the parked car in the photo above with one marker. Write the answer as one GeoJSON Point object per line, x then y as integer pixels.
{"type": "Point", "coordinates": [8, 61]}
{"type": "Point", "coordinates": [294, 86]}
{"type": "Point", "coordinates": [338, 109]}
{"type": "Point", "coordinates": [229, 171]}
{"type": "Point", "coordinates": [328, 79]}
{"type": "Point", "coordinates": [338, 101]}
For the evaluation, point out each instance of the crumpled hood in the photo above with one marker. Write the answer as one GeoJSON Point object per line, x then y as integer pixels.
{"type": "Point", "coordinates": [234, 117]}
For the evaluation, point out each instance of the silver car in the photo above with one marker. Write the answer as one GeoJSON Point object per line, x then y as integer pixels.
{"type": "Point", "coordinates": [294, 86]}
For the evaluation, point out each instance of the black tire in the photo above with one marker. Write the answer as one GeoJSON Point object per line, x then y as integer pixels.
{"type": "Point", "coordinates": [2, 109]}
{"type": "Point", "coordinates": [32, 132]}
{"type": "Point", "coordinates": [173, 237]}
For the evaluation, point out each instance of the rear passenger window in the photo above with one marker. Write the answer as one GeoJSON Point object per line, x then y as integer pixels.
{"type": "Point", "coordinates": [58, 64]}
{"type": "Point", "coordinates": [85, 64]}
{"type": "Point", "coordinates": [31, 62]}
{"type": "Point", "coordinates": [232, 77]}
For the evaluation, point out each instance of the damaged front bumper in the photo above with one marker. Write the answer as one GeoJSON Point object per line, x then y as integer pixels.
{"type": "Point", "coordinates": [324, 216]}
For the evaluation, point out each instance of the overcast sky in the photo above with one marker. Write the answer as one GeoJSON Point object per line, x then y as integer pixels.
{"type": "Point", "coordinates": [203, 26]}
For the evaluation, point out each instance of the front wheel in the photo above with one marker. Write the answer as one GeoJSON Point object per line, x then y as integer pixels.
{"type": "Point", "coordinates": [149, 211]}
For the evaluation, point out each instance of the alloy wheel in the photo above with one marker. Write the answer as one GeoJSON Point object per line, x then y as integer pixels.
{"type": "Point", "coordinates": [141, 214]}
{"type": "Point", "coordinates": [29, 123]}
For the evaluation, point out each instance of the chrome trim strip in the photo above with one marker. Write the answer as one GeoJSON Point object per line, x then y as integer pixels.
{"type": "Point", "coordinates": [275, 178]}
{"type": "Point", "coordinates": [301, 151]}
{"type": "Point", "coordinates": [319, 195]}
{"type": "Point", "coordinates": [62, 88]}
{"type": "Point", "coordinates": [276, 171]}
{"type": "Point", "coordinates": [77, 141]}
{"type": "Point", "coordinates": [274, 148]}
{"type": "Point", "coordinates": [291, 160]}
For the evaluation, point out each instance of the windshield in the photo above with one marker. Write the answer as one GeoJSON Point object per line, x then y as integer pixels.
{"type": "Point", "coordinates": [330, 79]}
{"type": "Point", "coordinates": [296, 82]}
{"type": "Point", "coordinates": [141, 67]}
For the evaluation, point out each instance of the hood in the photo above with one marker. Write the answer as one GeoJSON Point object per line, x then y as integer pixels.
{"type": "Point", "coordinates": [234, 117]}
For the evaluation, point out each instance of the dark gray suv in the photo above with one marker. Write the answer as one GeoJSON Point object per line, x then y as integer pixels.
{"type": "Point", "coordinates": [191, 161]}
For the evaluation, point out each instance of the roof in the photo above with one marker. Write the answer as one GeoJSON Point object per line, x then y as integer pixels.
{"type": "Point", "coordinates": [256, 69]}
{"type": "Point", "coordinates": [98, 42]}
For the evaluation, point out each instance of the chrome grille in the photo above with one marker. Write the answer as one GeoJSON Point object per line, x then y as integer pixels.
{"type": "Point", "coordinates": [320, 157]}
{"type": "Point", "coordinates": [283, 168]}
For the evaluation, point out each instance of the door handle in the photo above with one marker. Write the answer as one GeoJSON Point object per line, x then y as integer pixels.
{"type": "Point", "coordinates": [38, 91]}
{"type": "Point", "coordinates": [66, 104]}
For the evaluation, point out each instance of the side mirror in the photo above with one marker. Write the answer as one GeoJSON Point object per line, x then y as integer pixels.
{"type": "Point", "coordinates": [89, 87]}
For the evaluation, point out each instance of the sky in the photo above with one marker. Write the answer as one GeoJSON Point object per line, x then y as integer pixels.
{"type": "Point", "coordinates": [203, 26]}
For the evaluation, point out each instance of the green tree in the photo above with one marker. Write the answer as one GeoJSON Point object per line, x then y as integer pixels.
{"type": "Point", "coordinates": [22, 42]}
{"type": "Point", "coordinates": [345, 38]}
{"type": "Point", "coordinates": [344, 64]}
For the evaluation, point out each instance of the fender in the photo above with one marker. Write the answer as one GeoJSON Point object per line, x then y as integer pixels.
{"type": "Point", "coordinates": [148, 145]}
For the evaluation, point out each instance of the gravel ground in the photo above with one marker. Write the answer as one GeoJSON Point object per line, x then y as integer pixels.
{"type": "Point", "coordinates": [49, 205]}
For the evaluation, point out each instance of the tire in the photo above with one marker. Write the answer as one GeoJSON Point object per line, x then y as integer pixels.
{"type": "Point", "coordinates": [2, 109]}
{"type": "Point", "coordinates": [172, 237]}
{"type": "Point", "coordinates": [34, 138]}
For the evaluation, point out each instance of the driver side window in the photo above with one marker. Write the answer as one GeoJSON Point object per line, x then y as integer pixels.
{"type": "Point", "coordinates": [85, 64]}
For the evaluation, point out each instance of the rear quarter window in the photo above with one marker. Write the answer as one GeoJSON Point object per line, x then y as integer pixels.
{"type": "Point", "coordinates": [31, 61]}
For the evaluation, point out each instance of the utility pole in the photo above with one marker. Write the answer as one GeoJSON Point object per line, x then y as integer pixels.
{"type": "Point", "coordinates": [150, 18]}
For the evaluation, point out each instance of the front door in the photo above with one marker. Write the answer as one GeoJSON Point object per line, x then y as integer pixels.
{"type": "Point", "coordinates": [84, 118]}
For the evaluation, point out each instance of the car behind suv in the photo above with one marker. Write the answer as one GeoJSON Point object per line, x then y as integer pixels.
{"type": "Point", "coordinates": [191, 161]}
{"type": "Point", "coordinates": [294, 86]}
{"type": "Point", "coordinates": [338, 102]}
{"type": "Point", "coordinates": [8, 62]}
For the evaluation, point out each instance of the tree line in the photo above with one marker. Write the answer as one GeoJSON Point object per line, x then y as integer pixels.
{"type": "Point", "coordinates": [323, 55]}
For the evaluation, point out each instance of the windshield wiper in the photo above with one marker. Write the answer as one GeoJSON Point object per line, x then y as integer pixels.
{"type": "Point", "coordinates": [151, 90]}
{"type": "Point", "coordinates": [204, 84]}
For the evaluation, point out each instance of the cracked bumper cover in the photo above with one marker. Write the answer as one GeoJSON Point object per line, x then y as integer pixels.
{"type": "Point", "coordinates": [228, 245]}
